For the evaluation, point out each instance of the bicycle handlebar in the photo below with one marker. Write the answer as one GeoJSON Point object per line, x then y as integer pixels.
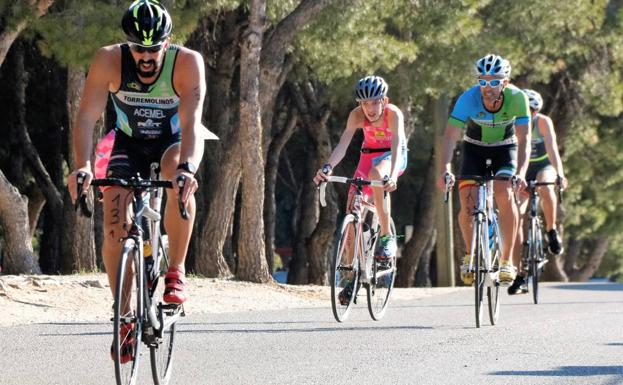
{"type": "Point", "coordinates": [355, 181]}
{"type": "Point", "coordinates": [134, 183]}
{"type": "Point", "coordinates": [533, 183]}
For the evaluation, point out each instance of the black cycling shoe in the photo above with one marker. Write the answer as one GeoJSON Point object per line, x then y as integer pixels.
{"type": "Point", "coordinates": [555, 243]}
{"type": "Point", "coordinates": [517, 286]}
{"type": "Point", "coordinates": [345, 294]}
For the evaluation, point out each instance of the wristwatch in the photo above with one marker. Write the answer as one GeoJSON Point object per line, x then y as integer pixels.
{"type": "Point", "coordinates": [188, 167]}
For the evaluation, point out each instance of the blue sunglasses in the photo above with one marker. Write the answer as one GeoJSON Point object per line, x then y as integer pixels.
{"type": "Point", "coordinates": [140, 48]}
{"type": "Point", "coordinates": [491, 83]}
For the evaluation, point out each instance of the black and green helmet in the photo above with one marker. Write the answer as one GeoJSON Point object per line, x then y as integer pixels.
{"type": "Point", "coordinates": [146, 22]}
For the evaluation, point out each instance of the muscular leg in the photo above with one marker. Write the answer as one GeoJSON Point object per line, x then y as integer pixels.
{"type": "Point", "coordinates": [468, 196]}
{"type": "Point", "coordinates": [508, 218]}
{"type": "Point", "coordinates": [116, 202]}
{"type": "Point", "coordinates": [178, 229]}
{"type": "Point", "coordinates": [519, 239]}
{"type": "Point", "coordinates": [549, 202]}
{"type": "Point", "coordinates": [378, 172]}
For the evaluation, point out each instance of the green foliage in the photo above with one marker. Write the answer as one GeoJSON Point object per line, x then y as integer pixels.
{"type": "Point", "coordinates": [75, 29]}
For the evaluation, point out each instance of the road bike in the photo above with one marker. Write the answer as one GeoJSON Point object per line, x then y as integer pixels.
{"type": "Point", "coordinates": [486, 246]}
{"type": "Point", "coordinates": [354, 264]}
{"type": "Point", "coordinates": [533, 256]}
{"type": "Point", "coordinates": [138, 315]}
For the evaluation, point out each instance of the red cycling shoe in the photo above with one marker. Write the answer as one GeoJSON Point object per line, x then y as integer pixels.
{"type": "Point", "coordinates": [174, 287]}
{"type": "Point", "coordinates": [126, 335]}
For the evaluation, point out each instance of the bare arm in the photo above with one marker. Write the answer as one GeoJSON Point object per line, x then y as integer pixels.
{"type": "Point", "coordinates": [353, 123]}
{"type": "Point", "coordinates": [523, 155]}
{"type": "Point", "coordinates": [397, 126]}
{"type": "Point", "coordinates": [92, 105]}
{"type": "Point", "coordinates": [546, 127]}
{"type": "Point", "coordinates": [191, 88]}
{"type": "Point", "coordinates": [450, 137]}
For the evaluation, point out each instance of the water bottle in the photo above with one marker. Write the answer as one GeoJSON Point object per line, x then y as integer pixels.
{"type": "Point", "coordinates": [490, 224]}
{"type": "Point", "coordinates": [149, 263]}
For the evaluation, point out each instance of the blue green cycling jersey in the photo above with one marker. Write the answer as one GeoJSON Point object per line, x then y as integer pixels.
{"type": "Point", "coordinates": [147, 111]}
{"type": "Point", "coordinates": [486, 128]}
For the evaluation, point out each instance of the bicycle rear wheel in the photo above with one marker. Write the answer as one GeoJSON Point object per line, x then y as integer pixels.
{"type": "Point", "coordinates": [536, 257]}
{"type": "Point", "coordinates": [128, 315]}
{"type": "Point", "coordinates": [479, 267]}
{"type": "Point", "coordinates": [345, 269]}
{"type": "Point", "coordinates": [161, 351]}
{"type": "Point", "coordinates": [382, 282]}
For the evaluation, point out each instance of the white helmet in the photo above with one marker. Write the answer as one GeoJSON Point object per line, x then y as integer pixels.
{"type": "Point", "coordinates": [535, 99]}
{"type": "Point", "coordinates": [493, 65]}
{"type": "Point", "coordinates": [370, 88]}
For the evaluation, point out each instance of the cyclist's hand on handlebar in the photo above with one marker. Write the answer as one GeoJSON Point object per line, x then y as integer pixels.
{"type": "Point", "coordinates": [564, 183]}
{"type": "Point", "coordinates": [190, 185]}
{"type": "Point", "coordinates": [445, 181]}
{"type": "Point", "coordinates": [519, 183]}
{"type": "Point", "coordinates": [390, 185]}
{"type": "Point", "coordinates": [322, 174]}
{"type": "Point", "coordinates": [72, 182]}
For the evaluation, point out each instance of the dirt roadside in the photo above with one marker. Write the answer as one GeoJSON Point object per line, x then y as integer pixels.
{"type": "Point", "coordinates": [86, 297]}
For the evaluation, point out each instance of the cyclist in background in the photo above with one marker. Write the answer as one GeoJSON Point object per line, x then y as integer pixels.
{"type": "Point", "coordinates": [157, 89]}
{"type": "Point", "coordinates": [545, 166]}
{"type": "Point", "coordinates": [383, 152]}
{"type": "Point", "coordinates": [493, 118]}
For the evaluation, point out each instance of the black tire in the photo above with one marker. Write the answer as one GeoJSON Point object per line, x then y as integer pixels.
{"type": "Point", "coordinates": [382, 282]}
{"type": "Point", "coordinates": [128, 291]}
{"type": "Point", "coordinates": [479, 276]}
{"type": "Point", "coordinates": [493, 292]}
{"type": "Point", "coordinates": [536, 258]}
{"type": "Point", "coordinates": [161, 354]}
{"type": "Point", "coordinates": [344, 273]}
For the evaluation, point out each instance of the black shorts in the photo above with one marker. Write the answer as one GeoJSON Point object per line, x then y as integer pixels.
{"type": "Point", "coordinates": [130, 155]}
{"type": "Point", "coordinates": [503, 159]}
{"type": "Point", "coordinates": [546, 170]}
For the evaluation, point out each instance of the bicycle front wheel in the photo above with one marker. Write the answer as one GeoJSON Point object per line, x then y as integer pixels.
{"type": "Point", "coordinates": [128, 315]}
{"type": "Point", "coordinates": [382, 282]}
{"type": "Point", "coordinates": [161, 354]}
{"type": "Point", "coordinates": [161, 350]}
{"type": "Point", "coordinates": [345, 269]}
{"type": "Point", "coordinates": [479, 266]}
{"type": "Point", "coordinates": [493, 291]}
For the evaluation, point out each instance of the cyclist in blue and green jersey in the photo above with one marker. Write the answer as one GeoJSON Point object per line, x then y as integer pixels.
{"type": "Point", "coordinates": [493, 118]}
{"type": "Point", "coordinates": [545, 166]}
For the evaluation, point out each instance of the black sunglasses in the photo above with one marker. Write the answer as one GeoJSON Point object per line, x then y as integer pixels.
{"type": "Point", "coordinates": [141, 49]}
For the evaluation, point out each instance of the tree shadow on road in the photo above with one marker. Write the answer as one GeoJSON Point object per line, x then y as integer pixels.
{"type": "Point", "coordinates": [566, 371]}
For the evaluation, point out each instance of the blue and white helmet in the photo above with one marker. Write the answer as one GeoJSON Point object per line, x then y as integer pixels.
{"type": "Point", "coordinates": [370, 88]}
{"type": "Point", "coordinates": [493, 65]}
{"type": "Point", "coordinates": [535, 99]}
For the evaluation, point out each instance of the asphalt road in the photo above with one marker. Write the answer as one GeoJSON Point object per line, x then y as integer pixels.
{"type": "Point", "coordinates": [574, 336]}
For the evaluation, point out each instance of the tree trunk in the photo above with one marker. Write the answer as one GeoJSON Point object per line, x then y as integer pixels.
{"type": "Point", "coordinates": [423, 229]}
{"type": "Point", "coordinates": [19, 257]}
{"type": "Point", "coordinates": [315, 228]}
{"type": "Point", "coordinates": [422, 274]}
{"type": "Point", "coordinates": [251, 259]}
{"type": "Point", "coordinates": [272, 168]}
{"type": "Point", "coordinates": [78, 246]}
{"type": "Point", "coordinates": [221, 161]}
{"type": "Point", "coordinates": [598, 249]}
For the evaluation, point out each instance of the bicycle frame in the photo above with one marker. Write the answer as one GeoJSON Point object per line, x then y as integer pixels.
{"type": "Point", "coordinates": [483, 215]}
{"type": "Point", "coordinates": [359, 208]}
